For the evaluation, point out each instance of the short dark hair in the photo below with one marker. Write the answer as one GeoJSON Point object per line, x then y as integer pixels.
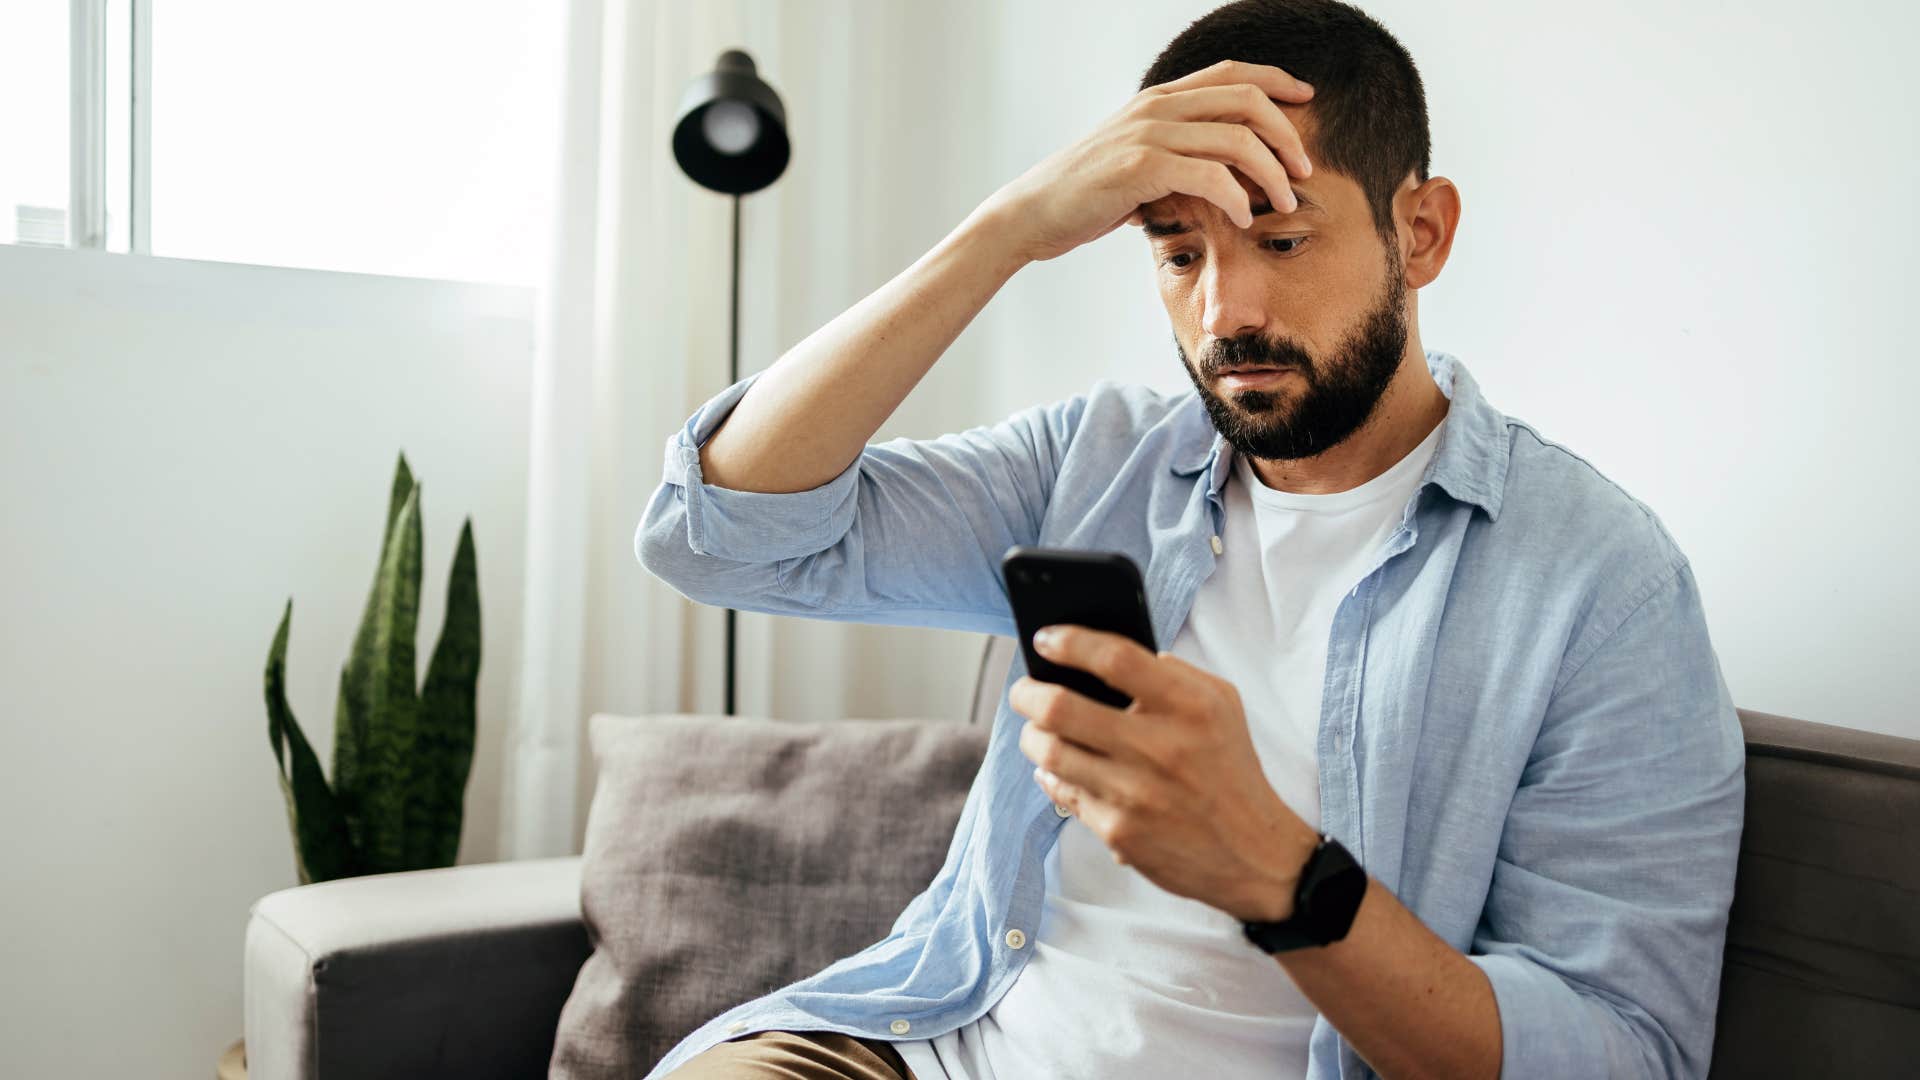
{"type": "Point", "coordinates": [1369, 112]}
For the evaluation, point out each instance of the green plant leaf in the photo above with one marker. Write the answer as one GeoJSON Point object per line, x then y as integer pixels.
{"type": "Point", "coordinates": [349, 716]}
{"type": "Point", "coordinates": [323, 849]}
{"type": "Point", "coordinates": [354, 707]}
{"type": "Point", "coordinates": [388, 667]}
{"type": "Point", "coordinates": [443, 750]}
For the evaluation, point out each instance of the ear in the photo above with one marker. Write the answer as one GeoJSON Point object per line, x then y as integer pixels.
{"type": "Point", "coordinates": [1427, 216]}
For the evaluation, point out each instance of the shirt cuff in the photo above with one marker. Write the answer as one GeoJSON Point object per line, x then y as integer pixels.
{"type": "Point", "coordinates": [753, 526]}
{"type": "Point", "coordinates": [1538, 1037]}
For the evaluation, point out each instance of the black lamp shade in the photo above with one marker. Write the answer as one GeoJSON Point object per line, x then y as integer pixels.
{"type": "Point", "coordinates": [731, 132]}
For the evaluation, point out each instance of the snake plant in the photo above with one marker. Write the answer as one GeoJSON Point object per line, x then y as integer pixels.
{"type": "Point", "coordinates": [400, 758]}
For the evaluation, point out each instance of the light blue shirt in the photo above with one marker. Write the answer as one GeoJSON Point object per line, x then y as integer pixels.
{"type": "Point", "coordinates": [1525, 733]}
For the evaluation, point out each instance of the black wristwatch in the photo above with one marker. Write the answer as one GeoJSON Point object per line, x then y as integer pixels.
{"type": "Point", "coordinates": [1324, 903]}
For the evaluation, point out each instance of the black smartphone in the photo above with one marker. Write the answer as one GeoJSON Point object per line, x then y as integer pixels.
{"type": "Point", "coordinates": [1098, 589]}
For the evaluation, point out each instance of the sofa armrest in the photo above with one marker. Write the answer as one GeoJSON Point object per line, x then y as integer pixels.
{"type": "Point", "coordinates": [455, 972]}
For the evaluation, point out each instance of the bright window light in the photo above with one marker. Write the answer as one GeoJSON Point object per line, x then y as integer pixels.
{"type": "Point", "coordinates": [413, 138]}
{"type": "Point", "coordinates": [33, 124]}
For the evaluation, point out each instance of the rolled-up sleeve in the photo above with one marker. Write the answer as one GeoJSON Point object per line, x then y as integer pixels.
{"type": "Point", "coordinates": [1606, 918]}
{"type": "Point", "coordinates": [910, 533]}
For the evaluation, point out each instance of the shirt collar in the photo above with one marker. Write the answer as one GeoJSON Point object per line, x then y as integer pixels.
{"type": "Point", "coordinates": [1470, 462]}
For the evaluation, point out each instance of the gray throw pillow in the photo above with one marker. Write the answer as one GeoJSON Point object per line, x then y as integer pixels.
{"type": "Point", "coordinates": [727, 857]}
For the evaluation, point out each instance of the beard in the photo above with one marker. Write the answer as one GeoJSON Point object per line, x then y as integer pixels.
{"type": "Point", "coordinates": [1341, 393]}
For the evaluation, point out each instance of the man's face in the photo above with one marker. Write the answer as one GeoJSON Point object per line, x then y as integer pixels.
{"type": "Point", "coordinates": [1312, 291]}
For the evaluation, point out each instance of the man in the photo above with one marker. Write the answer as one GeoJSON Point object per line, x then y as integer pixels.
{"type": "Point", "coordinates": [1439, 774]}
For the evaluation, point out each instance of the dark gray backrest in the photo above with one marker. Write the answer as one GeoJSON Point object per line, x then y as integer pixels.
{"type": "Point", "coordinates": [1822, 974]}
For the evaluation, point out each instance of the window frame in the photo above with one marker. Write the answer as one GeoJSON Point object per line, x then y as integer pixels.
{"type": "Point", "coordinates": [88, 154]}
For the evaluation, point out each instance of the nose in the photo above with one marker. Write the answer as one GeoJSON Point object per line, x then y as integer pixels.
{"type": "Point", "coordinates": [1233, 296]}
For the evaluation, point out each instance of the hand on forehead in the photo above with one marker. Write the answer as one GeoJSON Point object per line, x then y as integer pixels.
{"type": "Point", "coordinates": [1180, 205]}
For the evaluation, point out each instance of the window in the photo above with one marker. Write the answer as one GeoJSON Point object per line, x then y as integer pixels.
{"type": "Point", "coordinates": [33, 124]}
{"type": "Point", "coordinates": [416, 139]}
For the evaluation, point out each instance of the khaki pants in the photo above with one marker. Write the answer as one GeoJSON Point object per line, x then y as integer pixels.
{"type": "Point", "coordinates": [796, 1055]}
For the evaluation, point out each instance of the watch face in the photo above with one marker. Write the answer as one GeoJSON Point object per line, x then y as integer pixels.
{"type": "Point", "coordinates": [1333, 893]}
{"type": "Point", "coordinates": [1341, 890]}
{"type": "Point", "coordinates": [1331, 889]}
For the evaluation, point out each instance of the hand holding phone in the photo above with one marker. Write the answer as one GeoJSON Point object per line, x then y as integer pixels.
{"type": "Point", "coordinates": [1098, 589]}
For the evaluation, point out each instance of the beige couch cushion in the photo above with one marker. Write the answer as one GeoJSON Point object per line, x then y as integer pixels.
{"type": "Point", "coordinates": [727, 857]}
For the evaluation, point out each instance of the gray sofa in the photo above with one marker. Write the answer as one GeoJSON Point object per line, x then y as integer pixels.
{"type": "Point", "coordinates": [463, 972]}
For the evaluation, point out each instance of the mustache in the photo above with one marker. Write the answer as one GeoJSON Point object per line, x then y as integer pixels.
{"type": "Point", "coordinates": [1251, 352]}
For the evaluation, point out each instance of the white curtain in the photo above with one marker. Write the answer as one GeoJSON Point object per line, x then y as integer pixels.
{"type": "Point", "coordinates": [633, 336]}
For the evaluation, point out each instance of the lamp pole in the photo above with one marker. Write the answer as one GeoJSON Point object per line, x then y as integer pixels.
{"type": "Point", "coordinates": [733, 376]}
{"type": "Point", "coordinates": [731, 137]}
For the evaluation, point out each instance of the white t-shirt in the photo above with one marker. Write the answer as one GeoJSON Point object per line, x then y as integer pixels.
{"type": "Point", "coordinates": [1128, 981]}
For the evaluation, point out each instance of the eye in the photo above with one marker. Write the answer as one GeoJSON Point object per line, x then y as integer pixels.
{"type": "Point", "coordinates": [1294, 243]}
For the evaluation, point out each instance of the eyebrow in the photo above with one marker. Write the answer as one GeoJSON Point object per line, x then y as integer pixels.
{"type": "Point", "coordinates": [1181, 228]}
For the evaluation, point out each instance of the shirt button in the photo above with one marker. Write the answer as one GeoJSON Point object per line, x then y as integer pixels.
{"type": "Point", "coordinates": [1015, 939]}
{"type": "Point", "coordinates": [737, 1025]}
{"type": "Point", "coordinates": [1061, 810]}
{"type": "Point", "coordinates": [899, 1027]}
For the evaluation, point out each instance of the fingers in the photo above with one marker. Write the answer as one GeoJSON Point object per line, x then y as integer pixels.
{"type": "Point", "coordinates": [1247, 104]}
{"type": "Point", "coordinates": [1207, 180]}
{"type": "Point", "coordinates": [1235, 143]}
{"type": "Point", "coordinates": [1276, 82]}
{"type": "Point", "coordinates": [1067, 714]}
{"type": "Point", "coordinates": [1063, 758]}
{"type": "Point", "coordinates": [1118, 660]}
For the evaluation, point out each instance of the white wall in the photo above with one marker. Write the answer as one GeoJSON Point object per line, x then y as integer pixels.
{"type": "Point", "coordinates": [187, 445]}
{"type": "Point", "coordinates": [1684, 234]}
{"type": "Point", "coordinates": [1681, 236]}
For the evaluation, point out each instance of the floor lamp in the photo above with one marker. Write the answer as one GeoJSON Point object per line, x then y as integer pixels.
{"type": "Point", "coordinates": [731, 137]}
